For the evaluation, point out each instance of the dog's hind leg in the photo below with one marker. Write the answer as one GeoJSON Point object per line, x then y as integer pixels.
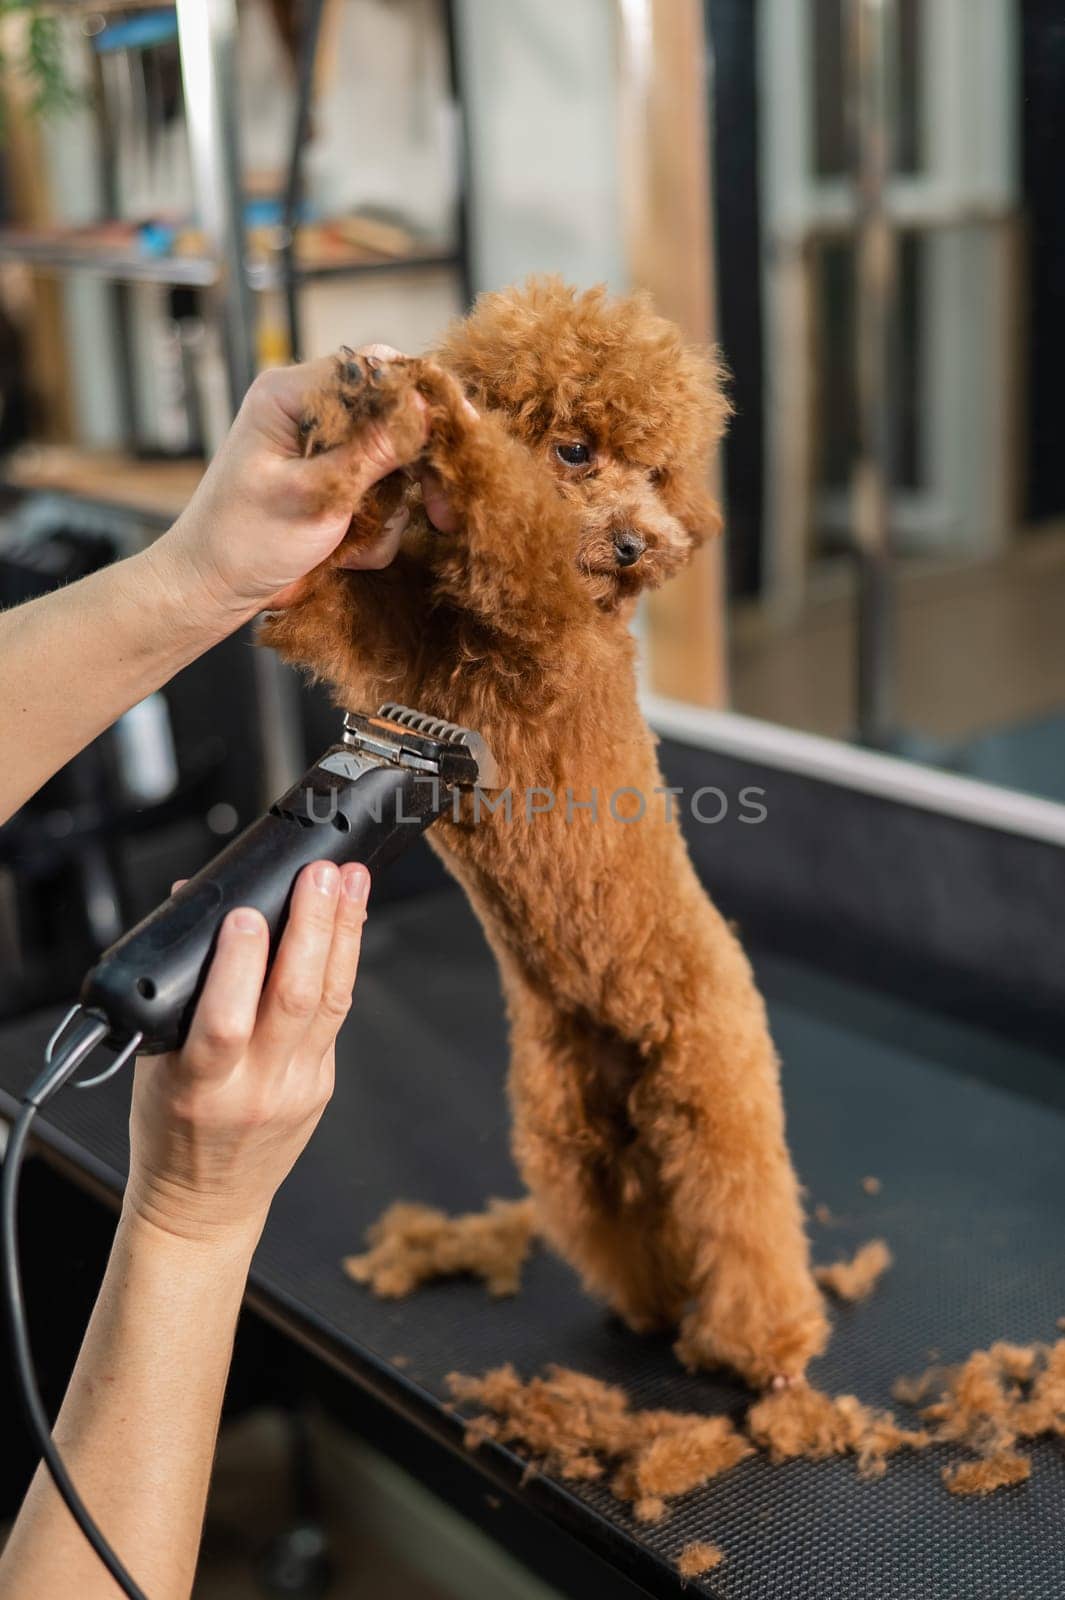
{"type": "Point", "coordinates": [596, 1196]}
{"type": "Point", "coordinates": [712, 1114]}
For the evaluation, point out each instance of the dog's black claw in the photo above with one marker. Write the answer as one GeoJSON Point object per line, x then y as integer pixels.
{"type": "Point", "coordinates": [346, 350]}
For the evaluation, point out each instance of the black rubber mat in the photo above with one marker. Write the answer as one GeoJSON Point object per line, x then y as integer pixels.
{"type": "Point", "coordinates": [965, 1133]}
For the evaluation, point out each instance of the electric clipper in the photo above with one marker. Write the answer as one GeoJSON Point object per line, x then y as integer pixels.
{"type": "Point", "coordinates": [366, 799]}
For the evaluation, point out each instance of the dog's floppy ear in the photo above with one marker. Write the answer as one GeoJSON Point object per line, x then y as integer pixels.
{"type": "Point", "coordinates": [689, 499]}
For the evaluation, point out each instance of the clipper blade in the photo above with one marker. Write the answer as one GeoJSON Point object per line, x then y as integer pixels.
{"type": "Point", "coordinates": [458, 755]}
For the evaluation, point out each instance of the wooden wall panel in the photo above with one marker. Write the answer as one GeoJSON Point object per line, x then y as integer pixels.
{"type": "Point", "coordinates": [665, 166]}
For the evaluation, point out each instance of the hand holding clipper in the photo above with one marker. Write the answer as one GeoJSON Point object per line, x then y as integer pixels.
{"type": "Point", "coordinates": [366, 800]}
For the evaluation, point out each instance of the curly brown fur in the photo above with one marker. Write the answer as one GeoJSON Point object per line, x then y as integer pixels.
{"type": "Point", "coordinates": [644, 1085]}
{"type": "Point", "coordinates": [413, 1244]}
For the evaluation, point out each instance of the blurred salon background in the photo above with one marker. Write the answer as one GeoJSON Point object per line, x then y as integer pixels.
{"type": "Point", "coordinates": [861, 200]}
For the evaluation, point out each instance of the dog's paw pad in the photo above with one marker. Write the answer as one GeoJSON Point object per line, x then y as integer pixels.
{"type": "Point", "coordinates": [365, 396]}
{"type": "Point", "coordinates": [334, 413]}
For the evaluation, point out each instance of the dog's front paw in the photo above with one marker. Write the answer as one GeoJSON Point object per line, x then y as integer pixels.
{"type": "Point", "coordinates": [768, 1337]}
{"type": "Point", "coordinates": [366, 400]}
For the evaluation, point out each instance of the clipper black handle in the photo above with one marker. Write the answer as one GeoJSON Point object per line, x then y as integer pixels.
{"type": "Point", "coordinates": [344, 809]}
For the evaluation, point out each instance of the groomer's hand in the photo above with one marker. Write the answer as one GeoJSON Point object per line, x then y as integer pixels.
{"type": "Point", "coordinates": [217, 1126]}
{"type": "Point", "coordinates": [264, 515]}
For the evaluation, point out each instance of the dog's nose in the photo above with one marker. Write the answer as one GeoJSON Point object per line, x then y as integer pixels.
{"type": "Point", "coordinates": [628, 548]}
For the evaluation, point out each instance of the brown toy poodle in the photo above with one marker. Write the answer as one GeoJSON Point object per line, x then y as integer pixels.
{"type": "Point", "coordinates": [644, 1085]}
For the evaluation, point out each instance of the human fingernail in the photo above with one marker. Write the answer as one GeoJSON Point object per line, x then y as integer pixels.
{"type": "Point", "coordinates": [246, 921]}
{"type": "Point", "coordinates": [357, 883]}
{"type": "Point", "coordinates": [471, 410]}
{"type": "Point", "coordinates": [326, 877]}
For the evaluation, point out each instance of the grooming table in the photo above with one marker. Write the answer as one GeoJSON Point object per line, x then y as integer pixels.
{"type": "Point", "coordinates": [964, 1130]}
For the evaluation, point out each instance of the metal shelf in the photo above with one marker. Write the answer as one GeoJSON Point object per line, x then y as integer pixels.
{"type": "Point", "coordinates": [196, 271]}
{"type": "Point", "coordinates": [199, 272]}
{"type": "Point", "coordinates": [268, 275]}
{"type": "Point", "coordinates": [229, 275]}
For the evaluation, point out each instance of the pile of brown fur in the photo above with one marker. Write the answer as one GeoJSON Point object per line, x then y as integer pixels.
{"type": "Point", "coordinates": [412, 1244]}
{"type": "Point", "coordinates": [990, 1403]}
{"type": "Point", "coordinates": [804, 1422]}
{"type": "Point", "coordinates": [578, 1427]}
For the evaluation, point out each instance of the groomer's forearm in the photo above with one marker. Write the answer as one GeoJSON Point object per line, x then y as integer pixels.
{"type": "Point", "coordinates": [138, 1427]}
{"type": "Point", "coordinates": [73, 660]}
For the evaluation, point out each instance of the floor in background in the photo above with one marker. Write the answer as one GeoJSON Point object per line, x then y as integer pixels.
{"type": "Point", "coordinates": [388, 1537]}
{"type": "Point", "coordinates": [980, 647]}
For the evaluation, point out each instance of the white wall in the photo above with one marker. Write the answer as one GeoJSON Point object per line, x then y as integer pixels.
{"type": "Point", "coordinates": [541, 92]}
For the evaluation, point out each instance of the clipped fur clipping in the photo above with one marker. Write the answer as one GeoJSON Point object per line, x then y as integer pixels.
{"type": "Point", "coordinates": [857, 1278]}
{"type": "Point", "coordinates": [989, 1403]}
{"type": "Point", "coordinates": [984, 1477]}
{"type": "Point", "coordinates": [412, 1244]}
{"type": "Point", "coordinates": [699, 1557]}
{"type": "Point", "coordinates": [803, 1422]}
{"type": "Point", "coordinates": [580, 1428]}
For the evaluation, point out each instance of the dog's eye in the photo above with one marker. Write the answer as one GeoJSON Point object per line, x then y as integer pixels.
{"type": "Point", "coordinates": [573, 455]}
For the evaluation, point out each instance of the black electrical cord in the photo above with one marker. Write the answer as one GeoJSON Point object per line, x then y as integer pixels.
{"type": "Point", "coordinates": [53, 1077]}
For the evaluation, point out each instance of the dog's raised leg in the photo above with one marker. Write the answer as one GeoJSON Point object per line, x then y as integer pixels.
{"type": "Point", "coordinates": [359, 629]}
{"type": "Point", "coordinates": [511, 560]}
{"type": "Point", "coordinates": [367, 409]}
{"type": "Point", "coordinates": [364, 398]}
